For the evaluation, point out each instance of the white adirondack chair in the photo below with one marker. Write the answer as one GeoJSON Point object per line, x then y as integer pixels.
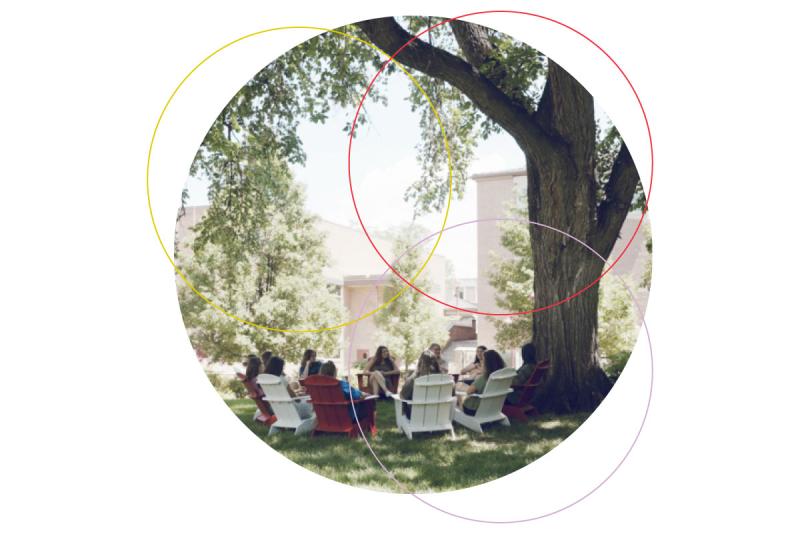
{"type": "Point", "coordinates": [432, 404]}
{"type": "Point", "coordinates": [284, 406]}
{"type": "Point", "coordinates": [491, 401]}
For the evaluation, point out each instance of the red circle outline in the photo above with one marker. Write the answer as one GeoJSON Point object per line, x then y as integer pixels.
{"type": "Point", "coordinates": [478, 312]}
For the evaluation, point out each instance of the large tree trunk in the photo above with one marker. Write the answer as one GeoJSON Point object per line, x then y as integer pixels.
{"type": "Point", "coordinates": [565, 334]}
{"type": "Point", "coordinates": [558, 141]}
{"type": "Point", "coordinates": [562, 193]}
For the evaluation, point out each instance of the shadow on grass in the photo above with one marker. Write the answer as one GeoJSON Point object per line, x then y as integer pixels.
{"type": "Point", "coordinates": [428, 463]}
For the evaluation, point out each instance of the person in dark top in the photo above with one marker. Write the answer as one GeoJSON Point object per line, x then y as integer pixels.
{"type": "Point", "coordinates": [329, 369]}
{"type": "Point", "coordinates": [252, 371]}
{"type": "Point", "coordinates": [265, 356]}
{"type": "Point", "coordinates": [275, 368]}
{"type": "Point", "coordinates": [492, 361]}
{"type": "Point", "coordinates": [309, 364]}
{"type": "Point", "coordinates": [524, 372]}
{"type": "Point", "coordinates": [425, 366]}
{"type": "Point", "coordinates": [379, 367]}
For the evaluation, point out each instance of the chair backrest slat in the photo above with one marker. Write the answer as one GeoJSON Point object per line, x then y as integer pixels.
{"type": "Point", "coordinates": [437, 390]}
{"type": "Point", "coordinates": [494, 394]}
{"type": "Point", "coordinates": [279, 399]}
{"type": "Point", "coordinates": [330, 403]}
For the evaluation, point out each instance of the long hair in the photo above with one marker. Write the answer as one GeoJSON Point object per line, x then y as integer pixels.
{"type": "Point", "coordinates": [328, 369]}
{"type": "Point", "coordinates": [308, 355]}
{"type": "Point", "coordinates": [426, 364]}
{"type": "Point", "coordinates": [253, 367]}
{"type": "Point", "coordinates": [492, 361]}
{"type": "Point", "coordinates": [265, 356]}
{"type": "Point", "coordinates": [379, 353]}
{"type": "Point", "coordinates": [379, 357]}
{"type": "Point", "coordinates": [275, 366]}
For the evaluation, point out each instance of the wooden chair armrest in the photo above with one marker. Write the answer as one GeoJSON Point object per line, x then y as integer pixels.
{"type": "Point", "coordinates": [422, 403]}
{"type": "Point", "coordinates": [498, 394]}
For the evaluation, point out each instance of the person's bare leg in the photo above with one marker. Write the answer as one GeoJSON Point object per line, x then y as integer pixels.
{"type": "Point", "coordinates": [380, 382]}
{"type": "Point", "coordinates": [374, 387]}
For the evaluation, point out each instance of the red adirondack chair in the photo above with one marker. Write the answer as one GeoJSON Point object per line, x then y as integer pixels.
{"type": "Point", "coordinates": [265, 414]}
{"type": "Point", "coordinates": [519, 411]}
{"type": "Point", "coordinates": [333, 407]}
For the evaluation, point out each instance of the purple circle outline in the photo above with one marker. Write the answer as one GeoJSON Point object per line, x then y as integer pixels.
{"type": "Point", "coordinates": [638, 432]}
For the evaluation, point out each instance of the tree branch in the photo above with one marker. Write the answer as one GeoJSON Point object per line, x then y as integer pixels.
{"type": "Point", "coordinates": [511, 115]}
{"type": "Point", "coordinates": [618, 194]}
{"type": "Point", "coordinates": [473, 40]}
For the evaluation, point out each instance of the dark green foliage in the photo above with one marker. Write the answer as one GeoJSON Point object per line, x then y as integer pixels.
{"type": "Point", "coordinates": [616, 363]}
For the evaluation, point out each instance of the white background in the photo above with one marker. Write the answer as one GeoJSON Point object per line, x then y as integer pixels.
{"type": "Point", "coordinates": [109, 423]}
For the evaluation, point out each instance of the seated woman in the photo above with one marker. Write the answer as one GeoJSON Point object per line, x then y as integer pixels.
{"type": "Point", "coordinates": [473, 370]}
{"type": "Point", "coordinates": [436, 349]}
{"type": "Point", "coordinates": [265, 356]}
{"type": "Point", "coordinates": [426, 365]}
{"type": "Point", "coordinates": [275, 368]}
{"type": "Point", "coordinates": [329, 369]}
{"type": "Point", "coordinates": [252, 371]}
{"type": "Point", "coordinates": [309, 364]}
{"type": "Point", "coordinates": [524, 372]}
{"type": "Point", "coordinates": [492, 361]}
{"type": "Point", "coordinates": [379, 367]}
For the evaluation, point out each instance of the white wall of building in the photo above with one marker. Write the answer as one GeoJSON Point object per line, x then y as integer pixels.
{"type": "Point", "coordinates": [495, 195]}
{"type": "Point", "coordinates": [496, 192]}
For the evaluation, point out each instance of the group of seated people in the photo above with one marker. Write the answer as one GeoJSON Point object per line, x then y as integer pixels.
{"type": "Point", "coordinates": [473, 378]}
{"type": "Point", "coordinates": [274, 365]}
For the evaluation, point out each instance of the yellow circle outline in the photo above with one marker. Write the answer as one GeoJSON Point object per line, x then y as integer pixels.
{"type": "Point", "coordinates": [183, 276]}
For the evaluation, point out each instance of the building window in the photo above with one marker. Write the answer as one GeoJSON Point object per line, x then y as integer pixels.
{"type": "Point", "coordinates": [362, 354]}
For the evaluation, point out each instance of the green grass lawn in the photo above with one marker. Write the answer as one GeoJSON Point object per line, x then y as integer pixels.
{"type": "Point", "coordinates": [429, 462]}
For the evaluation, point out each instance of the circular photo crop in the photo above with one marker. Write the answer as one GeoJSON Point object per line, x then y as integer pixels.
{"type": "Point", "coordinates": [402, 250]}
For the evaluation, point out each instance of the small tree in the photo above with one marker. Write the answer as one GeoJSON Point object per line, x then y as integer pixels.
{"type": "Point", "coordinates": [412, 322]}
{"type": "Point", "coordinates": [258, 255]}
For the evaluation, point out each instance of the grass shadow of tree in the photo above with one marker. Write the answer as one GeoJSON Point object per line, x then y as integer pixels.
{"type": "Point", "coordinates": [430, 462]}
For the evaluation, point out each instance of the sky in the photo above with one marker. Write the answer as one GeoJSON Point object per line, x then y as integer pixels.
{"type": "Point", "coordinates": [384, 164]}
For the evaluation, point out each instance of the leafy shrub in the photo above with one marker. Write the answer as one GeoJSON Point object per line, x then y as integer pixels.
{"type": "Point", "coordinates": [615, 363]}
{"type": "Point", "coordinates": [236, 388]}
{"type": "Point", "coordinates": [217, 382]}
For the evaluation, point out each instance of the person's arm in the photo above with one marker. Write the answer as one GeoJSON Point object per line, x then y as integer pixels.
{"type": "Point", "coordinates": [395, 369]}
{"type": "Point", "coordinates": [370, 364]}
{"type": "Point", "coordinates": [477, 386]}
{"type": "Point", "coordinates": [468, 369]}
{"type": "Point", "coordinates": [348, 390]}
